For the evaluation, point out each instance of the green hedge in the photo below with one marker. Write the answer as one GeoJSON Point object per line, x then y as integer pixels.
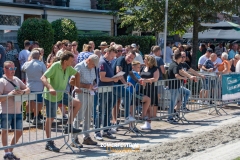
{"type": "Point", "coordinates": [35, 29]}
{"type": "Point", "coordinates": [145, 42]}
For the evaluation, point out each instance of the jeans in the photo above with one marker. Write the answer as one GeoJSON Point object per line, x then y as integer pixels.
{"type": "Point", "coordinates": [104, 113]}
{"type": "Point", "coordinates": [122, 92]}
{"type": "Point", "coordinates": [13, 120]}
{"type": "Point", "coordinates": [185, 93]}
{"type": "Point", "coordinates": [174, 97]}
{"type": "Point", "coordinates": [1, 72]}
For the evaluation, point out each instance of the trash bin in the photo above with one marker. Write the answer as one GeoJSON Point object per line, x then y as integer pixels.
{"type": "Point", "coordinates": [61, 3]}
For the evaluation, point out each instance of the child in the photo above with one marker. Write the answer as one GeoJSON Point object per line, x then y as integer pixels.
{"type": "Point", "coordinates": [135, 79]}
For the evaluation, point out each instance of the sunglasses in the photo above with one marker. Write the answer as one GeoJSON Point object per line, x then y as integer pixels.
{"type": "Point", "coordinates": [74, 45]}
{"type": "Point", "coordinates": [11, 68]}
{"type": "Point", "coordinates": [183, 56]}
{"type": "Point", "coordinates": [119, 50]}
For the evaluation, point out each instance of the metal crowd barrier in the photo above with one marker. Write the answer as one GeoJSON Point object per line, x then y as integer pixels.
{"type": "Point", "coordinates": [115, 104]}
{"type": "Point", "coordinates": [31, 134]}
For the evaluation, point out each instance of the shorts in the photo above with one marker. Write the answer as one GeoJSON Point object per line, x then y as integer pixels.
{"type": "Point", "coordinates": [13, 120]}
{"type": "Point", "coordinates": [207, 84]}
{"type": "Point", "coordinates": [51, 107]}
{"type": "Point", "coordinates": [39, 97]}
{"type": "Point", "coordinates": [138, 98]}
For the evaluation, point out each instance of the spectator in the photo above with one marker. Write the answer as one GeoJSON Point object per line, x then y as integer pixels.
{"type": "Point", "coordinates": [136, 81]}
{"type": "Point", "coordinates": [23, 55]}
{"type": "Point", "coordinates": [207, 84]}
{"type": "Point", "coordinates": [52, 55]}
{"type": "Point", "coordinates": [103, 46]}
{"type": "Point", "coordinates": [92, 44]}
{"type": "Point", "coordinates": [174, 84]}
{"type": "Point", "coordinates": [225, 66]}
{"type": "Point", "coordinates": [105, 79]}
{"type": "Point", "coordinates": [86, 69]}
{"type": "Point", "coordinates": [123, 64]}
{"type": "Point", "coordinates": [59, 45]}
{"type": "Point", "coordinates": [169, 53]}
{"type": "Point", "coordinates": [233, 51]}
{"type": "Point", "coordinates": [12, 55]}
{"type": "Point", "coordinates": [112, 44]}
{"type": "Point", "coordinates": [11, 111]}
{"type": "Point", "coordinates": [34, 70]}
{"type": "Point", "coordinates": [150, 74]}
{"type": "Point", "coordinates": [2, 59]}
{"type": "Point", "coordinates": [64, 47]}
{"type": "Point", "coordinates": [220, 49]}
{"type": "Point", "coordinates": [119, 53]}
{"type": "Point", "coordinates": [75, 52]}
{"type": "Point", "coordinates": [159, 60]}
{"type": "Point", "coordinates": [138, 56]}
{"type": "Point", "coordinates": [85, 53]}
{"type": "Point", "coordinates": [233, 62]}
{"type": "Point", "coordinates": [97, 52]}
{"type": "Point", "coordinates": [35, 44]}
{"type": "Point", "coordinates": [59, 70]}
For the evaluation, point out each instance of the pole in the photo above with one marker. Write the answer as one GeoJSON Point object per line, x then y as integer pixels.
{"type": "Point", "coordinates": [165, 31]}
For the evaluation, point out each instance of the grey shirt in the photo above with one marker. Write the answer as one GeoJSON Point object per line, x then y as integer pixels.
{"type": "Point", "coordinates": [87, 76]}
{"type": "Point", "coordinates": [34, 70]}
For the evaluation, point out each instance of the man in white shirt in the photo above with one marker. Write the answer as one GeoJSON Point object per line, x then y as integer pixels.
{"type": "Point", "coordinates": [169, 54]}
{"type": "Point", "coordinates": [23, 57]}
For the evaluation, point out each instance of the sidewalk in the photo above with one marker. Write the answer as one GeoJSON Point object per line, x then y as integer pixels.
{"type": "Point", "coordinates": [161, 132]}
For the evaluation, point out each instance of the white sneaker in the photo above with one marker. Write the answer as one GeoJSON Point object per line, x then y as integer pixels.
{"type": "Point", "coordinates": [199, 101]}
{"type": "Point", "coordinates": [206, 103]}
{"type": "Point", "coordinates": [129, 119]}
{"type": "Point", "coordinates": [113, 130]}
{"type": "Point", "coordinates": [146, 126]}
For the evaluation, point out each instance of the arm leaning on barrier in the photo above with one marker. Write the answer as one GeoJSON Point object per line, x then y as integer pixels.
{"type": "Point", "coordinates": [48, 85]}
{"type": "Point", "coordinates": [195, 73]}
{"type": "Point", "coordinates": [185, 74]}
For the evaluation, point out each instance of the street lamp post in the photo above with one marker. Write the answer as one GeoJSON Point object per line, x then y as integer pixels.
{"type": "Point", "coordinates": [165, 31]}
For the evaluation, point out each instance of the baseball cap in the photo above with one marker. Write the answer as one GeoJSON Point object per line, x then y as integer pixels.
{"type": "Point", "coordinates": [95, 59]}
{"type": "Point", "coordinates": [133, 45]}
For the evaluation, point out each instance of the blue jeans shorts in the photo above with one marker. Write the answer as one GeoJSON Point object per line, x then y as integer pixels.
{"type": "Point", "coordinates": [13, 120]}
{"type": "Point", "coordinates": [51, 107]}
{"type": "Point", "coordinates": [39, 97]}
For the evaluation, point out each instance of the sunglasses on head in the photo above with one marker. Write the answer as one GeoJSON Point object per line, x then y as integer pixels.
{"type": "Point", "coordinates": [11, 68]}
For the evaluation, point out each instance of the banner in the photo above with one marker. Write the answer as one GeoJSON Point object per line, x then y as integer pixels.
{"type": "Point", "coordinates": [230, 87]}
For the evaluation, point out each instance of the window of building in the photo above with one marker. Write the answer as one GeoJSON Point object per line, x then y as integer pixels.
{"type": "Point", "coordinates": [10, 20]}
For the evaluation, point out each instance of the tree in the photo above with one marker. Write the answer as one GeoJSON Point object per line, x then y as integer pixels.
{"type": "Point", "coordinates": [64, 29]}
{"type": "Point", "coordinates": [182, 14]}
{"type": "Point", "coordinates": [34, 29]}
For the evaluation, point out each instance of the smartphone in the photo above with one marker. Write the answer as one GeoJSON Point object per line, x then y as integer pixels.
{"type": "Point", "coordinates": [17, 88]}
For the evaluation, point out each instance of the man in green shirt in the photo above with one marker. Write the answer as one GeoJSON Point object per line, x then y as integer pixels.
{"type": "Point", "coordinates": [55, 80]}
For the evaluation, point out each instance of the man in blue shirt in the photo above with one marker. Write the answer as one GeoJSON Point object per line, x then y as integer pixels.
{"type": "Point", "coordinates": [105, 101]}
{"type": "Point", "coordinates": [233, 51]}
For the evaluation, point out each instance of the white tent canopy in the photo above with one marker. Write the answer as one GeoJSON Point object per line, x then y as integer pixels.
{"type": "Point", "coordinates": [216, 34]}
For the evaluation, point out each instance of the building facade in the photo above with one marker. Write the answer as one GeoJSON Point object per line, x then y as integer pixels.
{"type": "Point", "coordinates": [88, 21]}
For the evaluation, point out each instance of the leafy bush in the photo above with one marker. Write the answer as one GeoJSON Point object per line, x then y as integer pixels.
{"type": "Point", "coordinates": [64, 29]}
{"type": "Point", "coordinates": [145, 42]}
{"type": "Point", "coordinates": [35, 29]}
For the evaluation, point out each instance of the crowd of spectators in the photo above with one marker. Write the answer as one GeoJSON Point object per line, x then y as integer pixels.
{"type": "Point", "coordinates": [66, 69]}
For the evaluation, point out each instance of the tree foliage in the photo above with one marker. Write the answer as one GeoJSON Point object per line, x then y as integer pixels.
{"type": "Point", "coordinates": [64, 29]}
{"type": "Point", "coordinates": [35, 29]}
{"type": "Point", "coordinates": [149, 15]}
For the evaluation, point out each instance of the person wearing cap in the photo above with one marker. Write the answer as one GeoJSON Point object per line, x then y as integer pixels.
{"type": "Point", "coordinates": [103, 46]}
{"type": "Point", "coordinates": [87, 83]}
